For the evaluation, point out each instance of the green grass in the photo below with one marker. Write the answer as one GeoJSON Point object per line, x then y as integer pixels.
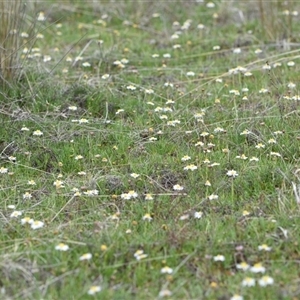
{"type": "Point", "coordinates": [120, 131]}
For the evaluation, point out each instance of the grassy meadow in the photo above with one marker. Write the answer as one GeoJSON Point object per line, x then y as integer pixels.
{"type": "Point", "coordinates": [150, 149]}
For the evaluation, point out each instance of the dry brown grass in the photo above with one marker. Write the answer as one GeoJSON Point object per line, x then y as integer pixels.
{"type": "Point", "coordinates": [273, 27]}
{"type": "Point", "coordinates": [276, 17]}
{"type": "Point", "coordinates": [10, 23]}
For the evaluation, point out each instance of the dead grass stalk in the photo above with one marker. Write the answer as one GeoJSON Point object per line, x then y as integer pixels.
{"type": "Point", "coordinates": [10, 24]}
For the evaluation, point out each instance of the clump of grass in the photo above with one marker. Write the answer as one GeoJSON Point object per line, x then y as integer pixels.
{"type": "Point", "coordinates": [10, 24]}
{"type": "Point", "coordinates": [277, 29]}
